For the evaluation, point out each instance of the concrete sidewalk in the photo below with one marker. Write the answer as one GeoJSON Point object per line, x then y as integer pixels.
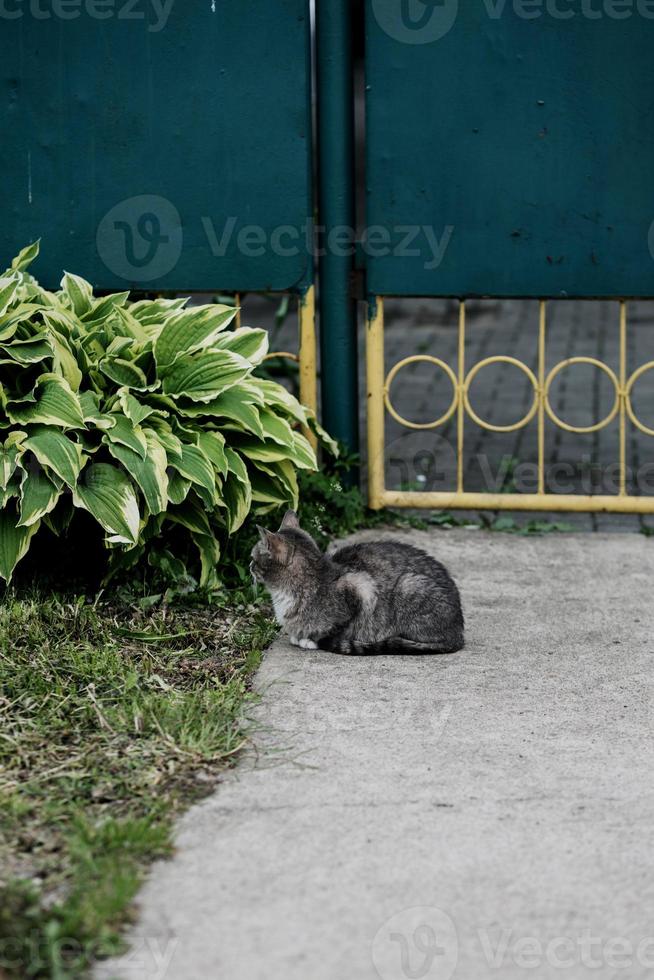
{"type": "Point", "coordinates": [487, 814]}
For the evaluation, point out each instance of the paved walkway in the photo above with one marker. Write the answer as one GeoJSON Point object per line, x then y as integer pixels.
{"type": "Point", "coordinates": [483, 815]}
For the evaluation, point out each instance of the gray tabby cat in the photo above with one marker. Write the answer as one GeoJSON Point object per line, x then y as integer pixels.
{"type": "Point", "coordinates": [373, 597]}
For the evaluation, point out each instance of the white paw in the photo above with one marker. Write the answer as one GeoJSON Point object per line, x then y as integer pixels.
{"type": "Point", "coordinates": [293, 640]}
{"type": "Point", "coordinates": [308, 644]}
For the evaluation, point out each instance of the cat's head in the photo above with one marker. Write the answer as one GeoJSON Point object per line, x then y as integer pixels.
{"type": "Point", "coordinates": [283, 558]}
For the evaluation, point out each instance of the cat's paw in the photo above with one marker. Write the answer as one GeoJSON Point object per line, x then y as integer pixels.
{"type": "Point", "coordinates": [293, 640]}
{"type": "Point", "coordinates": [307, 644]}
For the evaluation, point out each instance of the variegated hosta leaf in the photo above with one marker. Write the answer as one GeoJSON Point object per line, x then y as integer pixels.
{"type": "Point", "coordinates": [25, 257]}
{"type": "Point", "coordinates": [90, 403]}
{"type": "Point", "coordinates": [277, 396]}
{"type": "Point", "coordinates": [191, 515]}
{"type": "Point", "coordinates": [127, 434]}
{"type": "Point", "coordinates": [64, 361]}
{"type": "Point", "coordinates": [14, 540]}
{"type": "Point", "coordinates": [238, 498]}
{"type": "Point", "coordinates": [148, 472]}
{"type": "Point", "coordinates": [266, 490]}
{"type": "Point", "coordinates": [209, 551]}
{"type": "Point", "coordinates": [28, 351]}
{"type": "Point", "coordinates": [8, 291]}
{"type": "Point", "coordinates": [39, 494]}
{"type": "Point", "coordinates": [146, 402]}
{"type": "Point", "coordinates": [56, 452]}
{"type": "Point", "coordinates": [102, 308]}
{"type": "Point", "coordinates": [233, 405]}
{"type": "Point", "coordinates": [178, 488]}
{"type": "Point", "coordinates": [212, 445]}
{"type": "Point", "coordinates": [133, 409]}
{"type": "Point", "coordinates": [283, 473]}
{"type": "Point", "coordinates": [196, 467]}
{"type": "Point", "coordinates": [79, 292]}
{"type": "Point", "coordinates": [109, 496]}
{"type": "Point", "coordinates": [124, 373]}
{"type": "Point", "coordinates": [249, 342]}
{"type": "Point", "coordinates": [52, 402]}
{"type": "Point", "coordinates": [205, 375]}
{"type": "Point", "coordinates": [191, 330]}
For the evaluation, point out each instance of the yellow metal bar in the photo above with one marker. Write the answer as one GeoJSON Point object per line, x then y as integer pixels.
{"type": "Point", "coordinates": [623, 397]}
{"type": "Point", "coordinates": [460, 418]}
{"type": "Point", "coordinates": [375, 404]}
{"type": "Point", "coordinates": [541, 395]}
{"type": "Point", "coordinates": [307, 358]}
{"type": "Point", "coordinates": [518, 501]}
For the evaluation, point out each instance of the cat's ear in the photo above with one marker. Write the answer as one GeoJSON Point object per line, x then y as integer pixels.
{"type": "Point", "coordinates": [289, 520]}
{"type": "Point", "coordinates": [264, 534]}
{"type": "Point", "coordinates": [274, 544]}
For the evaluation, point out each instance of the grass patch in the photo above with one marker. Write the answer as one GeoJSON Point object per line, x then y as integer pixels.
{"type": "Point", "coordinates": [112, 719]}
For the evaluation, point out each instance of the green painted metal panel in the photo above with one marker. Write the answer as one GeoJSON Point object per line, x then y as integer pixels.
{"type": "Point", "coordinates": [158, 145]}
{"type": "Point", "coordinates": [510, 147]}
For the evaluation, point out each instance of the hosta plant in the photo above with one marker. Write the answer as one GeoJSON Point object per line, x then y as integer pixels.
{"type": "Point", "coordinates": [148, 415]}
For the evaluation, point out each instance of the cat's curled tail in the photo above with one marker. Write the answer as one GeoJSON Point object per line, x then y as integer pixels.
{"type": "Point", "coordinates": [392, 645]}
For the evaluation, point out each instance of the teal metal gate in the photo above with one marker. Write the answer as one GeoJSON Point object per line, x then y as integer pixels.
{"type": "Point", "coordinates": [159, 146]}
{"type": "Point", "coordinates": [510, 148]}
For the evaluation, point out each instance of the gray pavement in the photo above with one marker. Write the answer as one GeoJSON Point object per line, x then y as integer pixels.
{"type": "Point", "coordinates": [482, 815]}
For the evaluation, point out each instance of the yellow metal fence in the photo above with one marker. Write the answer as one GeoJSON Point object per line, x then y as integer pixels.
{"type": "Point", "coordinates": [379, 403]}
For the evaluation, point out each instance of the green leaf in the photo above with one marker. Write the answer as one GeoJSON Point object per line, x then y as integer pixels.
{"type": "Point", "coordinates": [192, 515]}
{"type": "Point", "coordinates": [149, 473]}
{"type": "Point", "coordinates": [79, 292]}
{"type": "Point", "coordinates": [52, 402]}
{"type": "Point", "coordinates": [212, 445]}
{"type": "Point", "coordinates": [249, 342]}
{"type": "Point", "coordinates": [127, 434]}
{"type": "Point", "coordinates": [132, 408]}
{"type": "Point", "coordinates": [38, 496]}
{"type": "Point", "coordinates": [276, 395]}
{"type": "Point", "coordinates": [234, 405]}
{"type": "Point", "coordinates": [14, 541]}
{"type": "Point", "coordinates": [205, 375]}
{"type": "Point", "coordinates": [178, 488]}
{"type": "Point", "coordinates": [237, 466]}
{"type": "Point", "coordinates": [196, 467]}
{"type": "Point", "coordinates": [237, 494]}
{"type": "Point", "coordinates": [124, 373]}
{"type": "Point", "coordinates": [285, 476]}
{"type": "Point", "coordinates": [57, 452]}
{"type": "Point", "coordinates": [8, 291]}
{"type": "Point", "coordinates": [266, 490]}
{"type": "Point", "coordinates": [109, 496]}
{"type": "Point", "coordinates": [28, 351]}
{"type": "Point", "coordinates": [65, 362]}
{"type": "Point", "coordinates": [103, 307]}
{"type": "Point", "coordinates": [191, 330]}
{"type": "Point", "coordinates": [209, 551]}
{"type": "Point", "coordinates": [26, 256]}
{"type": "Point", "coordinates": [90, 404]}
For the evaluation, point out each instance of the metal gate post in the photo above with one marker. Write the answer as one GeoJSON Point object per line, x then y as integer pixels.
{"type": "Point", "coordinates": [336, 219]}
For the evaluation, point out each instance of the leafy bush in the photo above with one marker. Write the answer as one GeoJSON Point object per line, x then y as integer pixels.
{"type": "Point", "coordinates": [145, 414]}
